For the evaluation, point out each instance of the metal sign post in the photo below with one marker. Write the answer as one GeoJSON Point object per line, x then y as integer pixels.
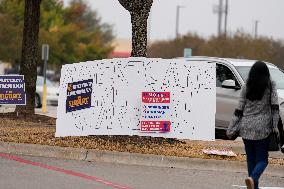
{"type": "Point", "coordinates": [45, 54]}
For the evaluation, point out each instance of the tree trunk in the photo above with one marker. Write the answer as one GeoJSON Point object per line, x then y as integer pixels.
{"type": "Point", "coordinates": [139, 33]}
{"type": "Point", "coordinates": [139, 11]}
{"type": "Point", "coordinates": [28, 65]}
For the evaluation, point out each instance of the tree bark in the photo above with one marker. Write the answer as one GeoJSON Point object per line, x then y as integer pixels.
{"type": "Point", "coordinates": [29, 59]}
{"type": "Point", "coordinates": [139, 11]}
{"type": "Point", "coordinates": [139, 33]}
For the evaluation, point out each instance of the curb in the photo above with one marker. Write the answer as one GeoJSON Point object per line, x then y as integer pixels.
{"type": "Point", "coordinates": [130, 158]}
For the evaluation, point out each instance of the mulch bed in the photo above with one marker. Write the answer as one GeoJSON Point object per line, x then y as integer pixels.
{"type": "Point", "coordinates": [36, 118]}
{"type": "Point", "coordinates": [40, 129]}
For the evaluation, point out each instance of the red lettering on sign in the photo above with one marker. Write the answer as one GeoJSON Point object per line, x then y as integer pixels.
{"type": "Point", "coordinates": [160, 126]}
{"type": "Point", "coordinates": [156, 97]}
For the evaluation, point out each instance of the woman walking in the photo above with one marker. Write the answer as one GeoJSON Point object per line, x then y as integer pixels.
{"type": "Point", "coordinates": [258, 104]}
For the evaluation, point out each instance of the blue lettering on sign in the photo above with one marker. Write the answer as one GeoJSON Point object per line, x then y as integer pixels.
{"type": "Point", "coordinates": [166, 127]}
{"type": "Point", "coordinates": [157, 107]}
{"type": "Point", "coordinates": [154, 112]}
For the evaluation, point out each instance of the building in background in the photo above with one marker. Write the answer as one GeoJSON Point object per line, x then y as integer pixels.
{"type": "Point", "coordinates": [122, 48]}
{"type": "Point", "coordinates": [7, 68]}
{"type": "Point", "coordinates": [1, 68]}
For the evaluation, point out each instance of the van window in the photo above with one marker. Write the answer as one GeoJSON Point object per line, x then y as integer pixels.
{"type": "Point", "coordinates": [276, 74]}
{"type": "Point", "coordinates": [223, 73]}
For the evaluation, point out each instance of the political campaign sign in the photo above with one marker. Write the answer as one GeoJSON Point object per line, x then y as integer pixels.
{"type": "Point", "coordinates": [155, 112]}
{"type": "Point", "coordinates": [12, 90]}
{"type": "Point", "coordinates": [79, 95]}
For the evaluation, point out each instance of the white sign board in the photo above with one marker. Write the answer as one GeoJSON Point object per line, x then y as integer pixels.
{"type": "Point", "coordinates": [104, 97]}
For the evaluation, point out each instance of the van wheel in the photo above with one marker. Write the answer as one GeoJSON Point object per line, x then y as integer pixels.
{"type": "Point", "coordinates": [37, 101]}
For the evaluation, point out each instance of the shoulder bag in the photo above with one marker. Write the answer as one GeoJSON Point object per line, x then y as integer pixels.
{"type": "Point", "coordinates": [274, 140]}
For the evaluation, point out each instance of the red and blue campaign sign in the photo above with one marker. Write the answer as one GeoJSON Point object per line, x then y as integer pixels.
{"type": "Point", "coordinates": [12, 90]}
{"type": "Point", "coordinates": [79, 95]}
{"type": "Point", "coordinates": [153, 126]}
{"type": "Point", "coordinates": [156, 97]}
{"type": "Point", "coordinates": [155, 112]}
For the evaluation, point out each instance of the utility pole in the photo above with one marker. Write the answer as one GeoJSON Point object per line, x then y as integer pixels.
{"type": "Point", "coordinates": [220, 14]}
{"type": "Point", "coordinates": [177, 19]}
{"type": "Point", "coordinates": [218, 9]}
{"type": "Point", "coordinates": [256, 28]}
{"type": "Point", "coordinates": [226, 17]}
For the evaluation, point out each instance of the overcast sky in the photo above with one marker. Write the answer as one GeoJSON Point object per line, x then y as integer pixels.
{"type": "Point", "coordinates": [197, 16]}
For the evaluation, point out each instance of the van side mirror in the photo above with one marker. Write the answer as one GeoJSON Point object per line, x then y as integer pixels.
{"type": "Point", "coordinates": [230, 84]}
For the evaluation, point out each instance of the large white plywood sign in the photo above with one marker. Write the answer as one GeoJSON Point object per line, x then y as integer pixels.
{"type": "Point", "coordinates": [137, 96]}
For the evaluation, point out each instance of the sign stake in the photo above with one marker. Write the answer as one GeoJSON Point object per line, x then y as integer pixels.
{"type": "Point", "coordinates": [45, 54]}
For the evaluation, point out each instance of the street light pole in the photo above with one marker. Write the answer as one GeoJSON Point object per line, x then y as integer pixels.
{"type": "Point", "coordinates": [226, 17]}
{"type": "Point", "coordinates": [177, 19]}
{"type": "Point", "coordinates": [220, 14]}
{"type": "Point", "coordinates": [256, 28]}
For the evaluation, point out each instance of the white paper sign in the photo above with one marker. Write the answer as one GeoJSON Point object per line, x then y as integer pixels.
{"type": "Point", "coordinates": [104, 98]}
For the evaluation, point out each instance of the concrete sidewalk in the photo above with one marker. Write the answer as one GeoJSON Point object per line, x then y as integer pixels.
{"type": "Point", "coordinates": [129, 158]}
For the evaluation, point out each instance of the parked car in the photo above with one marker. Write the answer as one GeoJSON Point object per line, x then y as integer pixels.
{"type": "Point", "coordinates": [52, 92]}
{"type": "Point", "coordinates": [231, 75]}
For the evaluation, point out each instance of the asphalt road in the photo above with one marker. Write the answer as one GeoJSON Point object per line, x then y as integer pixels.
{"type": "Point", "coordinates": [26, 172]}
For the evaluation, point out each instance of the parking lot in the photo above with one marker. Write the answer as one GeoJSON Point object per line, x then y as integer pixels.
{"type": "Point", "coordinates": [51, 110]}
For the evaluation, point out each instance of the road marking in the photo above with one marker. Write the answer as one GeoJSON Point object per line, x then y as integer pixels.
{"type": "Point", "coordinates": [259, 188]}
{"type": "Point", "coordinates": [239, 186]}
{"type": "Point", "coordinates": [67, 172]}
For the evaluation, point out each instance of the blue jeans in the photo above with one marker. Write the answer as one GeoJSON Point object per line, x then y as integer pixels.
{"type": "Point", "coordinates": [257, 158]}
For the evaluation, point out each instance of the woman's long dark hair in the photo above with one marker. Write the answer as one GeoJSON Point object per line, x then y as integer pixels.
{"type": "Point", "coordinates": [258, 81]}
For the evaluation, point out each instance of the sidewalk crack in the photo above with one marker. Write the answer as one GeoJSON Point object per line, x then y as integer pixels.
{"type": "Point", "coordinates": [86, 155]}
